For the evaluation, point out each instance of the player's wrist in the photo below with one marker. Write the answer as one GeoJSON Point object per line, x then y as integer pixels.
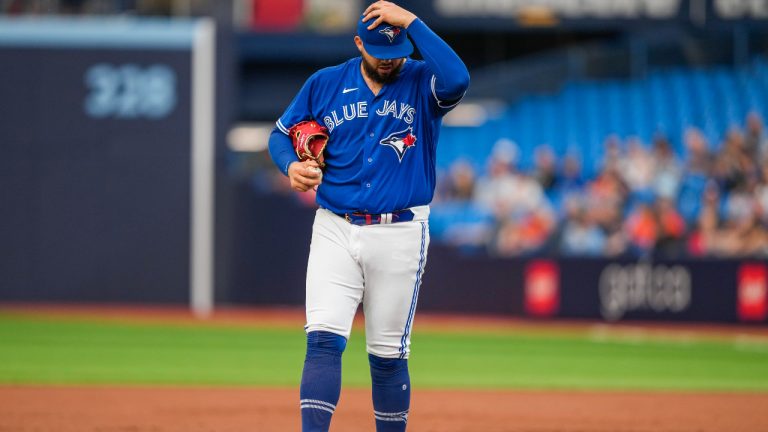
{"type": "Point", "coordinates": [288, 167]}
{"type": "Point", "coordinates": [409, 20]}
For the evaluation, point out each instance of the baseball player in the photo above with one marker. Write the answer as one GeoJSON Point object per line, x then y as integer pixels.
{"type": "Point", "coordinates": [382, 111]}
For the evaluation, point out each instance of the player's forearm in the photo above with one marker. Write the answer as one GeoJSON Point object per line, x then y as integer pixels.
{"type": "Point", "coordinates": [281, 150]}
{"type": "Point", "coordinates": [451, 75]}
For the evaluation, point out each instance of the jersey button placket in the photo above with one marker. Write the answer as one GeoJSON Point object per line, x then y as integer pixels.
{"type": "Point", "coordinates": [367, 184]}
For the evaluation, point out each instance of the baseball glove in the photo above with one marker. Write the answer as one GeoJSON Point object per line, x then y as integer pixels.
{"type": "Point", "coordinates": [309, 140]}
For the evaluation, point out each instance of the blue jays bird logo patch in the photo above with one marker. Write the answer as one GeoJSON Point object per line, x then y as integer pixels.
{"type": "Point", "coordinates": [400, 142]}
{"type": "Point", "coordinates": [390, 32]}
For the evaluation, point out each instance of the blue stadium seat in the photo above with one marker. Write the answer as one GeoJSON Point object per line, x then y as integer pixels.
{"type": "Point", "coordinates": [584, 113]}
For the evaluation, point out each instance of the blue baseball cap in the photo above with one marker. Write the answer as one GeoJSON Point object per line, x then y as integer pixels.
{"type": "Point", "coordinates": [385, 41]}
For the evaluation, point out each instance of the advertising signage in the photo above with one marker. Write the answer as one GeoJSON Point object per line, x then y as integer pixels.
{"type": "Point", "coordinates": [588, 14]}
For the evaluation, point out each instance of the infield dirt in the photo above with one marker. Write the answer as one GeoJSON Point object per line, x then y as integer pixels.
{"type": "Point", "coordinates": [150, 409]}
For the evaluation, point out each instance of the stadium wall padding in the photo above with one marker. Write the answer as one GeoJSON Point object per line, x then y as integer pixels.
{"type": "Point", "coordinates": [269, 267]}
{"type": "Point", "coordinates": [95, 161]}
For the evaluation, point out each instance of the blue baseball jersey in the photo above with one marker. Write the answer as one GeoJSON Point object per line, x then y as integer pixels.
{"type": "Point", "coordinates": [381, 153]}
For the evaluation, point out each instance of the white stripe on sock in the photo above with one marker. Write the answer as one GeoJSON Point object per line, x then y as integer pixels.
{"type": "Point", "coordinates": [318, 402]}
{"type": "Point", "coordinates": [398, 416]}
{"type": "Point", "coordinates": [392, 419]}
{"type": "Point", "coordinates": [320, 407]}
{"type": "Point", "coordinates": [391, 414]}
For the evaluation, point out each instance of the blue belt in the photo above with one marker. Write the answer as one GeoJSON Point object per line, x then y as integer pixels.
{"type": "Point", "coordinates": [358, 218]}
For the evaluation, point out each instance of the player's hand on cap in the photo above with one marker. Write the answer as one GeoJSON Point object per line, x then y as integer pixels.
{"type": "Point", "coordinates": [305, 175]}
{"type": "Point", "coordinates": [390, 13]}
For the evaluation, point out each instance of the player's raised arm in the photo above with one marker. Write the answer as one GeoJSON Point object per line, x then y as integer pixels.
{"type": "Point", "coordinates": [451, 75]}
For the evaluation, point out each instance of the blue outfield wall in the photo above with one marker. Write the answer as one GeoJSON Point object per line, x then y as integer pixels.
{"type": "Point", "coordinates": [95, 160]}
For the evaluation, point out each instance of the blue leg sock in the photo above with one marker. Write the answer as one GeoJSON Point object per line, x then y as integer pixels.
{"type": "Point", "coordinates": [321, 380]}
{"type": "Point", "coordinates": [391, 393]}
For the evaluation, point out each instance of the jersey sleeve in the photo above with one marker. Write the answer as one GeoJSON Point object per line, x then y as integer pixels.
{"type": "Point", "coordinates": [280, 144]}
{"type": "Point", "coordinates": [281, 150]}
{"type": "Point", "coordinates": [449, 77]}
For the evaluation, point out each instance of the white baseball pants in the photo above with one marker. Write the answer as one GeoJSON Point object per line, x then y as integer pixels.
{"type": "Point", "coordinates": [378, 265]}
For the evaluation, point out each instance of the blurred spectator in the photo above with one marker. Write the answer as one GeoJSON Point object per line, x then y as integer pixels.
{"type": "Point", "coordinates": [545, 167]}
{"type": "Point", "coordinates": [458, 184]}
{"type": "Point", "coordinates": [742, 234]}
{"type": "Point", "coordinates": [703, 240]}
{"type": "Point", "coordinates": [569, 183]}
{"type": "Point", "coordinates": [498, 191]}
{"type": "Point", "coordinates": [755, 141]}
{"type": "Point", "coordinates": [656, 228]}
{"type": "Point", "coordinates": [671, 229]}
{"type": "Point", "coordinates": [612, 155]}
{"type": "Point", "coordinates": [734, 166]}
{"type": "Point", "coordinates": [606, 197]}
{"type": "Point", "coordinates": [571, 179]}
{"type": "Point", "coordinates": [761, 194]}
{"type": "Point", "coordinates": [739, 205]}
{"type": "Point", "coordinates": [580, 235]}
{"type": "Point", "coordinates": [526, 234]}
{"type": "Point", "coordinates": [642, 228]}
{"type": "Point", "coordinates": [698, 157]}
{"type": "Point", "coordinates": [636, 166]}
{"type": "Point", "coordinates": [667, 169]}
{"type": "Point", "coordinates": [455, 218]}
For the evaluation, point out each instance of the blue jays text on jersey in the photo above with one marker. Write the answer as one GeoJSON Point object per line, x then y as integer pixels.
{"type": "Point", "coordinates": [381, 153]}
{"type": "Point", "coordinates": [360, 109]}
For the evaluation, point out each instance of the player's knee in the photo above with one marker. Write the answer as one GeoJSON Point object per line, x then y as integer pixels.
{"type": "Point", "coordinates": [326, 342]}
{"type": "Point", "coordinates": [381, 366]}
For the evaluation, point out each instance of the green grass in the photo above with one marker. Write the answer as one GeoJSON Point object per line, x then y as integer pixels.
{"type": "Point", "coordinates": [37, 350]}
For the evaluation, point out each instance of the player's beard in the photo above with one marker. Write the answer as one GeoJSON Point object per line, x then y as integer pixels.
{"type": "Point", "coordinates": [373, 73]}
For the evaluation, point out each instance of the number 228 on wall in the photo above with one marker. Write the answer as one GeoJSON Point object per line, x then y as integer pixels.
{"type": "Point", "coordinates": [130, 91]}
